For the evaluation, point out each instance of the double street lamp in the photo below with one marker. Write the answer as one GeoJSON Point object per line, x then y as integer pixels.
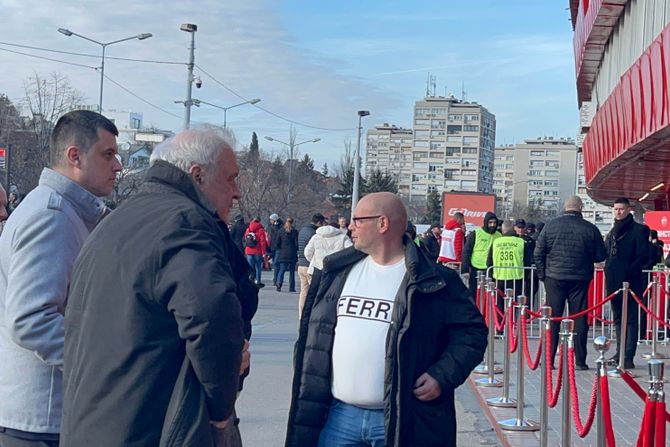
{"type": "Point", "coordinates": [197, 102]}
{"type": "Point", "coordinates": [291, 147]}
{"type": "Point", "coordinates": [104, 45]}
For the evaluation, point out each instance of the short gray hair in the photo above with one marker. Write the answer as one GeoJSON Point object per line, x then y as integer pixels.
{"type": "Point", "coordinates": [507, 226]}
{"type": "Point", "coordinates": [573, 203]}
{"type": "Point", "coordinates": [200, 145]}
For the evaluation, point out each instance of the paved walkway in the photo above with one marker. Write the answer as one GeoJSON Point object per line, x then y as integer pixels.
{"type": "Point", "coordinates": [627, 407]}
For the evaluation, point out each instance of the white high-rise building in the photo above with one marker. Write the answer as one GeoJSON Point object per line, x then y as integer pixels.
{"type": "Point", "coordinates": [389, 149]}
{"type": "Point", "coordinates": [598, 214]}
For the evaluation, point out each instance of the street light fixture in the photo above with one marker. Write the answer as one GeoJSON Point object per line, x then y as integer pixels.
{"type": "Point", "coordinates": [189, 28]}
{"type": "Point", "coordinates": [104, 46]}
{"type": "Point", "coordinates": [291, 147]}
{"type": "Point", "coordinates": [357, 164]}
{"type": "Point", "coordinates": [197, 102]}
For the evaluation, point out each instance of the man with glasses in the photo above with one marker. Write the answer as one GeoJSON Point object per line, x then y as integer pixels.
{"type": "Point", "coordinates": [365, 374]}
{"type": "Point", "coordinates": [627, 254]}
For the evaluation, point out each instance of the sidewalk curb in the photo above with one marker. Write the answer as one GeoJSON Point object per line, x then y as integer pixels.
{"type": "Point", "coordinates": [489, 415]}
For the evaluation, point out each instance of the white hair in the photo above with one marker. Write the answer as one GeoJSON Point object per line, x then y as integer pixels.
{"type": "Point", "coordinates": [200, 145]}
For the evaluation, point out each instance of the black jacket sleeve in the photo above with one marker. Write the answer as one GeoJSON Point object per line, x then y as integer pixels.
{"type": "Point", "coordinates": [600, 251]}
{"type": "Point", "coordinates": [640, 257]}
{"type": "Point", "coordinates": [207, 313]}
{"type": "Point", "coordinates": [489, 258]}
{"type": "Point", "coordinates": [467, 251]}
{"type": "Point", "coordinates": [540, 255]}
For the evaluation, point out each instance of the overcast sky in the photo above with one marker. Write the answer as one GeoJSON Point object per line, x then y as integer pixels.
{"type": "Point", "coordinates": [314, 62]}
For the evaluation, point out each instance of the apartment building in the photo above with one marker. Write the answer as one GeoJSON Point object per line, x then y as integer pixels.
{"type": "Point", "coordinates": [540, 172]}
{"type": "Point", "coordinates": [389, 149]}
{"type": "Point", "coordinates": [598, 214]}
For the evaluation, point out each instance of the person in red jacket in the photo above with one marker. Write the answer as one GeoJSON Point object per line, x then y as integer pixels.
{"type": "Point", "coordinates": [255, 246]}
{"type": "Point", "coordinates": [451, 245]}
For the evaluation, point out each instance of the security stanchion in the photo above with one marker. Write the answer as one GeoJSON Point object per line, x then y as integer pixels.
{"type": "Point", "coordinates": [656, 379]}
{"type": "Point", "coordinates": [520, 423]}
{"type": "Point", "coordinates": [616, 372]}
{"type": "Point", "coordinates": [490, 367]}
{"type": "Point", "coordinates": [481, 301]}
{"type": "Point", "coordinates": [567, 326]}
{"type": "Point", "coordinates": [545, 327]}
{"type": "Point", "coordinates": [602, 345]}
{"type": "Point", "coordinates": [655, 299]}
{"type": "Point", "coordinates": [505, 400]}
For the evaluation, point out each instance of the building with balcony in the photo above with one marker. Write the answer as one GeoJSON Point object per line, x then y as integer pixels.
{"type": "Point", "coordinates": [389, 149]}
{"type": "Point", "coordinates": [622, 69]}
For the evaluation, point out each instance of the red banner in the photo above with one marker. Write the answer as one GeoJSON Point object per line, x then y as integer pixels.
{"type": "Point", "coordinates": [660, 221]}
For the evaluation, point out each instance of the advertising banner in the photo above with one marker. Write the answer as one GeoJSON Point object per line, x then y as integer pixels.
{"type": "Point", "coordinates": [474, 206]}
{"type": "Point", "coordinates": [660, 221]}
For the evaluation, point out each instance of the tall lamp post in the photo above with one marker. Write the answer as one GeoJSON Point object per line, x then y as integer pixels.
{"type": "Point", "coordinates": [104, 46]}
{"type": "Point", "coordinates": [291, 148]}
{"type": "Point", "coordinates": [357, 164]}
{"type": "Point", "coordinates": [197, 102]}
{"type": "Point", "coordinates": [189, 28]}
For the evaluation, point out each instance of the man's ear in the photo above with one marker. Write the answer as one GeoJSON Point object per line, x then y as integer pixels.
{"type": "Point", "coordinates": [196, 173]}
{"type": "Point", "coordinates": [73, 156]}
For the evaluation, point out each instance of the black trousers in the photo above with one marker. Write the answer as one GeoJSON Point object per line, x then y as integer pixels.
{"type": "Point", "coordinates": [10, 441]}
{"type": "Point", "coordinates": [575, 293]}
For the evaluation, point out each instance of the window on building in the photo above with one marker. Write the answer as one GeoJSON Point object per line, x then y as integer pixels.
{"type": "Point", "coordinates": [421, 111]}
{"type": "Point", "coordinates": [455, 117]}
{"type": "Point", "coordinates": [454, 129]}
{"type": "Point", "coordinates": [437, 124]}
{"type": "Point", "coordinates": [534, 173]}
{"type": "Point", "coordinates": [537, 153]}
{"type": "Point", "coordinates": [421, 144]}
{"type": "Point", "coordinates": [450, 173]}
{"type": "Point", "coordinates": [470, 150]}
{"type": "Point", "coordinates": [419, 122]}
{"type": "Point", "coordinates": [470, 128]}
{"type": "Point", "coordinates": [551, 173]}
{"type": "Point", "coordinates": [536, 163]}
{"type": "Point", "coordinates": [453, 151]}
{"type": "Point", "coordinates": [454, 139]}
{"type": "Point", "coordinates": [419, 134]}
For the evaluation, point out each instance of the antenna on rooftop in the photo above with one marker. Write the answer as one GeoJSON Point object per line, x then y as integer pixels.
{"type": "Point", "coordinates": [431, 86]}
{"type": "Point", "coordinates": [464, 94]}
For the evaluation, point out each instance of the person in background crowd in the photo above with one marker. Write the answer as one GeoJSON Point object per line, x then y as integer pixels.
{"type": "Point", "coordinates": [476, 250]}
{"type": "Point", "coordinates": [255, 247]}
{"type": "Point", "coordinates": [656, 248]}
{"type": "Point", "coordinates": [508, 255]}
{"type": "Point", "coordinates": [155, 331]}
{"type": "Point", "coordinates": [411, 232]}
{"type": "Point", "coordinates": [344, 225]}
{"type": "Point", "coordinates": [12, 202]}
{"type": "Point", "coordinates": [306, 233]}
{"type": "Point", "coordinates": [276, 224]}
{"type": "Point", "coordinates": [3, 208]}
{"type": "Point", "coordinates": [431, 240]}
{"type": "Point", "coordinates": [326, 241]}
{"type": "Point", "coordinates": [237, 232]}
{"type": "Point", "coordinates": [566, 250]}
{"type": "Point", "coordinates": [366, 374]}
{"type": "Point", "coordinates": [287, 246]}
{"type": "Point", "coordinates": [627, 254]}
{"type": "Point", "coordinates": [530, 230]}
{"type": "Point", "coordinates": [538, 230]}
{"type": "Point", "coordinates": [38, 248]}
{"type": "Point", "coordinates": [530, 281]}
{"type": "Point", "coordinates": [451, 244]}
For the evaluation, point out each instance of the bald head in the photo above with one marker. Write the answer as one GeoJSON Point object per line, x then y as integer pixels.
{"type": "Point", "coordinates": [389, 205]}
{"type": "Point", "coordinates": [573, 203]}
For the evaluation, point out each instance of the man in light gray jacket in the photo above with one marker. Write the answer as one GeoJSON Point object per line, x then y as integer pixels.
{"type": "Point", "coordinates": [38, 247]}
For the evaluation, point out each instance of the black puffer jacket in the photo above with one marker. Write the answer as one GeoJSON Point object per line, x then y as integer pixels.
{"type": "Point", "coordinates": [568, 247]}
{"type": "Point", "coordinates": [627, 255]}
{"type": "Point", "coordinates": [287, 244]}
{"type": "Point", "coordinates": [306, 233]}
{"type": "Point", "coordinates": [435, 328]}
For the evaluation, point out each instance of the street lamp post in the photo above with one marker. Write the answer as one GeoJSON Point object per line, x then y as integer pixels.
{"type": "Point", "coordinates": [291, 147]}
{"type": "Point", "coordinates": [197, 102]}
{"type": "Point", "coordinates": [357, 164]}
{"type": "Point", "coordinates": [189, 28]}
{"type": "Point", "coordinates": [104, 46]}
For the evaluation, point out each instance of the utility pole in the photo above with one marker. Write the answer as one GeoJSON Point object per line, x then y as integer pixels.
{"type": "Point", "coordinates": [357, 164]}
{"type": "Point", "coordinates": [189, 28]}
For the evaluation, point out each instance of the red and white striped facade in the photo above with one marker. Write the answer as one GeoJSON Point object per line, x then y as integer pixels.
{"type": "Point", "coordinates": [622, 65]}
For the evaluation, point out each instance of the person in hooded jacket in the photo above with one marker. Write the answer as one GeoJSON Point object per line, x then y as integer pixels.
{"type": "Point", "coordinates": [476, 251]}
{"type": "Point", "coordinates": [276, 224]}
{"type": "Point", "coordinates": [326, 241]}
{"type": "Point", "coordinates": [452, 237]}
{"type": "Point", "coordinates": [287, 249]}
{"type": "Point", "coordinates": [256, 250]}
{"type": "Point", "coordinates": [237, 232]}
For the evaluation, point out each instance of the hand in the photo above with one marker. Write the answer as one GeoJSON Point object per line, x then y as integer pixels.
{"type": "Point", "coordinates": [426, 388]}
{"type": "Point", "coordinates": [220, 425]}
{"type": "Point", "coordinates": [246, 357]}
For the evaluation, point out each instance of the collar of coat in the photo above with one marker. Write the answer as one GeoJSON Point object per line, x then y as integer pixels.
{"type": "Point", "coordinates": [423, 273]}
{"type": "Point", "coordinates": [170, 175]}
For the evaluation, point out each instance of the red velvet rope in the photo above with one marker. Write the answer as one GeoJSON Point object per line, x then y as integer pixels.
{"type": "Point", "coordinates": [643, 307]}
{"type": "Point", "coordinates": [513, 337]}
{"type": "Point", "coordinates": [602, 320]}
{"type": "Point", "coordinates": [500, 324]}
{"type": "Point", "coordinates": [607, 412]}
{"type": "Point", "coordinates": [646, 436]}
{"type": "Point", "coordinates": [552, 397]}
{"type": "Point", "coordinates": [532, 364]}
{"type": "Point", "coordinates": [581, 313]}
{"type": "Point", "coordinates": [633, 384]}
{"type": "Point", "coordinates": [660, 424]}
{"type": "Point", "coordinates": [582, 430]}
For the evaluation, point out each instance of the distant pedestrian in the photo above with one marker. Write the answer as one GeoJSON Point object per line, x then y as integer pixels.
{"type": "Point", "coordinates": [477, 246]}
{"type": "Point", "coordinates": [276, 224]}
{"type": "Point", "coordinates": [627, 255]}
{"type": "Point", "coordinates": [287, 247]}
{"type": "Point", "coordinates": [326, 241]}
{"type": "Point", "coordinates": [566, 250]}
{"type": "Point", "coordinates": [451, 241]}
{"type": "Point", "coordinates": [508, 258]}
{"type": "Point", "coordinates": [306, 233]}
{"type": "Point", "coordinates": [237, 232]}
{"type": "Point", "coordinates": [431, 240]}
{"type": "Point", "coordinates": [344, 226]}
{"type": "Point", "coordinates": [38, 248]}
{"type": "Point", "coordinates": [530, 281]}
{"type": "Point", "coordinates": [255, 247]}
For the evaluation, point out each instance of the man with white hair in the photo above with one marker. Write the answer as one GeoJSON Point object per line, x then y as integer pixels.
{"type": "Point", "coordinates": [564, 256]}
{"type": "Point", "coordinates": [154, 344]}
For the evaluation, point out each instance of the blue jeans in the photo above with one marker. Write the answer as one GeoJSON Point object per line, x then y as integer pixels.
{"type": "Point", "coordinates": [283, 268]}
{"type": "Point", "coordinates": [256, 263]}
{"type": "Point", "coordinates": [275, 266]}
{"type": "Point", "coordinates": [350, 426]}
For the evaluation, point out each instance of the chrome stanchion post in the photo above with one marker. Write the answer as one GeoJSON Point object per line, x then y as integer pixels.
{"type": "Point", "coordinates": [481, 302]}
{"type": "Point", "coordinates": [505, 400]}
{"type": "Point", "coordinates": [519, 423]}
{"type": "Point", "coordinates": [491, 369]}
{"type": "Point", "coordinates": [567, 327]}
{"type": "Point", "coordinates": [545, 323]}
{"type": "Point", "coordinates": [601, 344]}
{"type": "Point", "coordinates": [655, 293]}
{"type": "Point", "coordinates": [621, 344]}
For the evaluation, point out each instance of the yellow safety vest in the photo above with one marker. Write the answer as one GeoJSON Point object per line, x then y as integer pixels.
{"type": "Point", "coordinates": [508, 252]}
{"type": "Point", "coordinates": [480, 252]}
